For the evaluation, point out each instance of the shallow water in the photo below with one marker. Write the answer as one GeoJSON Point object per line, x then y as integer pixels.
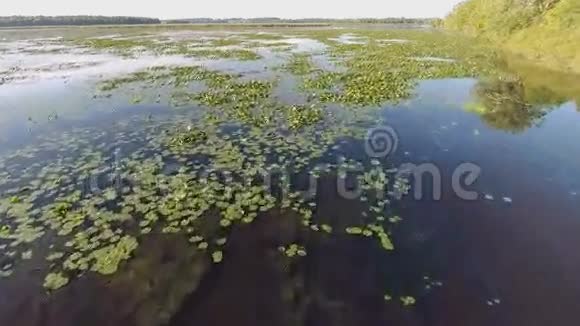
{"type": "Point", "coordinates": [349, 39]}
{"type": "Point", "coordinates": [506, 257]}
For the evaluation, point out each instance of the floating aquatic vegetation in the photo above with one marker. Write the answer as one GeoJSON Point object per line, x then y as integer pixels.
{"type": "Point", "coordinates": [217, 257]}
{"type": "Point", "coordinates": [202, 245]}
{"type": "Point", "coordinates": [407, 300]}
{"type": "Point", "coordinates": [322, 81]}
{"type": "Point", "coordinates": [301, 116]}
{"type": "Point", "coordinates": [131, 47]}
{"type": "Point", "coordinates": [179, 76]}
{"type": "Point", "coordinates": [395, 219]}
{"type": "Point", "coordinates": [238, 54]}
{"type": "Point", "coordinates": [375, 179]}
{"type": "Point", "coordinates": [326, 228]}
{"type": "Point", "coordinates": [377, 74]}
{"type": "Point", "coordinates": [300, 64]}
{"type": "Point", "coordinates": [200, 174]}
{"type": "Point", "coordinates": [55, 256]}
{"type": "Point", "coordinates": [293, 250]}
{"type": "Point", "coordinates": [132, 78]}
{"type": "Point", "coordinates": [55, 281]}
{"type": "Point", "coordinates": [377, 230]}
{"type": "Point", "coordinates": [122, 46]}
{"type": "Point", "coordinates": [241, 94]}
{"type": "Point", "coordinates": [226, 41]}
{"type": "Point", "coordinates": [354, 230]}
{"type": "Point", "coordinates": [27, 255]}
{"type": "Point", "coordinates": [250, 102]}
{"type": "Point", "coordinates": [191, 137]}
{"type": "Point", "coordinates": [96, 241]}
{"type": "Point", "coordinates": [107, 259]}
{"type": "Point", "coordinates": [383, 237]}
{"type": "Point", "coordinates": [5, 273]}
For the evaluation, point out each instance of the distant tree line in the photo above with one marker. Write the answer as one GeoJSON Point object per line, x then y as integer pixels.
{"type": "Point", "coordinates": [15, 21]}
{"type": "Point", "coordinates": [274, 20]}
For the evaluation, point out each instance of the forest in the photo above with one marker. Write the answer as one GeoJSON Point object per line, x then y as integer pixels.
{"type": "Point", "coordinates": [15, 21]}
{"type": "Point", "coordinates": [548, 30]}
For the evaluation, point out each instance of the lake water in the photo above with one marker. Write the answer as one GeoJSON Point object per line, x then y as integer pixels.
{"type": "Point", "coordinates": [505, 257]}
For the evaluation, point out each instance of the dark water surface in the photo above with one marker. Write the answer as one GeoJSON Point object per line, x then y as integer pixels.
{"type": "Point", "coordinates": [508, 257]}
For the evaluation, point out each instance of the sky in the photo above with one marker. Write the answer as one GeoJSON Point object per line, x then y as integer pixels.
{"type": "Point", "coordinates": [231, 8]}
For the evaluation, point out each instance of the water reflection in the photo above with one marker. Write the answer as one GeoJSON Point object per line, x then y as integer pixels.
{"type": "Point", "coordinates": [502, 105]}
{"type": "Point", "coordinates": [514, 105]}
{"type": "Point", "coordinates": [146, 291]}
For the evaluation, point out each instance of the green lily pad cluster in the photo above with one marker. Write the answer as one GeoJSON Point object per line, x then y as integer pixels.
{"type": "Point", "coordinates": [373, 230]}
{"type": "Point", "coordinates": [293, 250]}
{"type": "Point", "coordinates": [251, 102]}
{"type": "Point", "coordinates": [408, 301]}
{"type": "Point", "coordinates": [55, 281]}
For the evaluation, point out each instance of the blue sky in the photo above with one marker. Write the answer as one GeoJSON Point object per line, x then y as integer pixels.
{"type": "Point", "coordinates": [232, 8]}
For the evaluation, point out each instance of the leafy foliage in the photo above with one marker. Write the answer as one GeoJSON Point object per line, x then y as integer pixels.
{"type": "Point", "coordinates": [548, 28]}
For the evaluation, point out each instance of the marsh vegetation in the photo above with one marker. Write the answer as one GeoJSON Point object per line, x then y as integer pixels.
{"type": "Point", "coordinates": [200, 145]}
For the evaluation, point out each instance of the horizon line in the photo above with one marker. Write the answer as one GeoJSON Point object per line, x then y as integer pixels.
{"type": "Point", "coordinates": [225, 17]}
